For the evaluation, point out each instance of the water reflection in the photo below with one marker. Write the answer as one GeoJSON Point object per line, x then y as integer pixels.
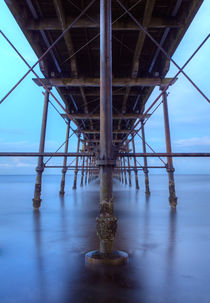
{"type": "Point", "coordinates": [39, 255]}
{"type": "Point", "coordinates": [43, 258]}
{"type": "Point", "coordinates": [171, 254]}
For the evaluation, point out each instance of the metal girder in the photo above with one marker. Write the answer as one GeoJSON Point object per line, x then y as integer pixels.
{"type": "Point", "coordinates": [115, 131]}
{"type": "Point", "coordinates": [82, 116]}
{"type": "Point", "coordinates": [95, 82]}
{"type": "Point", "coordinates": [52, 24]}
{"type": "Point", "coordinates": [152, 155]}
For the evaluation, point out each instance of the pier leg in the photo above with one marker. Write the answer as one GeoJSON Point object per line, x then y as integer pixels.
{"type": "Point", "coordinates": [64, 170]}
{"type": "Point", "coordinates": [77, 160]}
{"type": "Point", "coordinates": [170, 168]}
{"type": "Point", "coordinates": [83, 171]}
{"type": "Point", "coordinates": [134, 159]}
{"type": "Point", "coordinates": [126, 182]}
{"type": "Point", "coordinates": [146, 172]}
{"type": "Point", "coordinates": [40, 166]}
{"type": "Point", "coordinates": [122, 172]}
{"type": "Point", "coordinates": [89, 170]}
{"type": "Point", "coordinates": [129, 172]}
{"type": "Point", "coordinates": [106, 222]}
{"type": "Point", "coordinates": [86, 172]}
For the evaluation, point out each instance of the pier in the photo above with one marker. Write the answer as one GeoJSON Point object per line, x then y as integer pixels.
{"type": "Point", "coordinates": [105, 58]}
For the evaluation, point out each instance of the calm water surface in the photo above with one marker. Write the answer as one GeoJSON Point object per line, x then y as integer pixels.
{"type": "Point", "coordinates": [42, 253]}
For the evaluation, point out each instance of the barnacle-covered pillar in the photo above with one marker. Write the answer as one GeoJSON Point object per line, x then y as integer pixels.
{"type": "Point", "coordinates": [146, 172]}
{"type": "Point", "coordinates": [170, 168]}
{"type": "Point", "coordinates": [64, 170]}
{"type": "Point", "coordinates": [40, 166]}
{"type": "Point", "coordinates": [77, 160]}
{"type": "Point", "coordinates": [106, 222]}
{"type": "Point", "coordinates": [135, 166]}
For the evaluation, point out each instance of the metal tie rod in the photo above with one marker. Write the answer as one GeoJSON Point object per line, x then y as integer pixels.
{"type": "Point", "coordinates": [161, 48]}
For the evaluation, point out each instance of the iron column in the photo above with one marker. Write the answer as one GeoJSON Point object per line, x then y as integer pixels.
{"type": "Point", "coordinates": [86, 172]}
{"type": "Point", "coordinates": [40, 166]}
{"type": "Point", "coordinates": [64, 170]}
{"type": "Point", "coordinates": [170, 168]}
{"type": "Point", "coordinates": [106, 222]}
{"type": "Point", "coordinates": [146, 176]}
{"type": "Point", "coordinates": [83, 167]}
{"type": "Point", "coordinates": [134, 159]}
{"type": "Point", "coordinates": [121, 163]}
{"type": "Point", "coordinates": [125, 171]}
{"type": "Point", "coordinates": [76, 169]}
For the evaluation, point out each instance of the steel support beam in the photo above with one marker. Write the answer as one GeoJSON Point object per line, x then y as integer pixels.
{"type": "Point", "coordinates": [170, 168]}
{"type": "Point", "coordinates": [40, 166]}
{"type": "Point", "coordinates": [95, 82]}
{"type": "Point", "coordinates": [128, 116]}
{"type": "Point", "coordinates": [138, 155]}
{"type": "Point", "coordinates": [52, 24]}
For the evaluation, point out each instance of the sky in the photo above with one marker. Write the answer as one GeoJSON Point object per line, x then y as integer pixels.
{"type": "Point", "coordinates": [189, 112]}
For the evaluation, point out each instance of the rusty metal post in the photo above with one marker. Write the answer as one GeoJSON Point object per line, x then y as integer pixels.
{"type": "Point", "coordinates": [129, 171]}
{"type": "Point", "coordinates": [64, 170]}
{"type": "Point", "coordinates": [126, 182]}
{"type": "Point", "coordinates": [77, 160]}
{"type": "Point", "coordinates": [86, 172]}
{"type": "Point", "coordinates": [89, 170]}
{"type": "Point", "coordinates": [106, 222]}
{"type": "Point", "coordinates": [146, 171]}
{"type": "Point", "coordinates": [135, 164]}
{"type": "Point", "coordinates": [170, 168]}
{"type": "Point", "coordinates": [40, 166]}
{"type": "Point", "coordinates": [83, 168]}
{"type": "Point", "coordinates": [122, 172]}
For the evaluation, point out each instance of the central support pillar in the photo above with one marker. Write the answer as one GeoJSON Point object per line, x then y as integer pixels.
{"type": "Point", "coordinates": [106, 222]}
{"type": "Point", "coordinates": [170, 168]}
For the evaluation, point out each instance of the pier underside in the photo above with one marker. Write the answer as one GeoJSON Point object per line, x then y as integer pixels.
{"type": "Point", "coordinates": [105, 58]}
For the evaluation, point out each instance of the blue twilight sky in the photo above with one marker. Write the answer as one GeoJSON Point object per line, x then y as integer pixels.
{"type": "Point", "coordinates": [20, 118]}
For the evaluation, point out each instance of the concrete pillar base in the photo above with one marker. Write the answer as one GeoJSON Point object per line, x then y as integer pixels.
{"type": "Point", "coordinates": [37, 203]}
{"type": "Point", "coordinates": [115, 258]}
